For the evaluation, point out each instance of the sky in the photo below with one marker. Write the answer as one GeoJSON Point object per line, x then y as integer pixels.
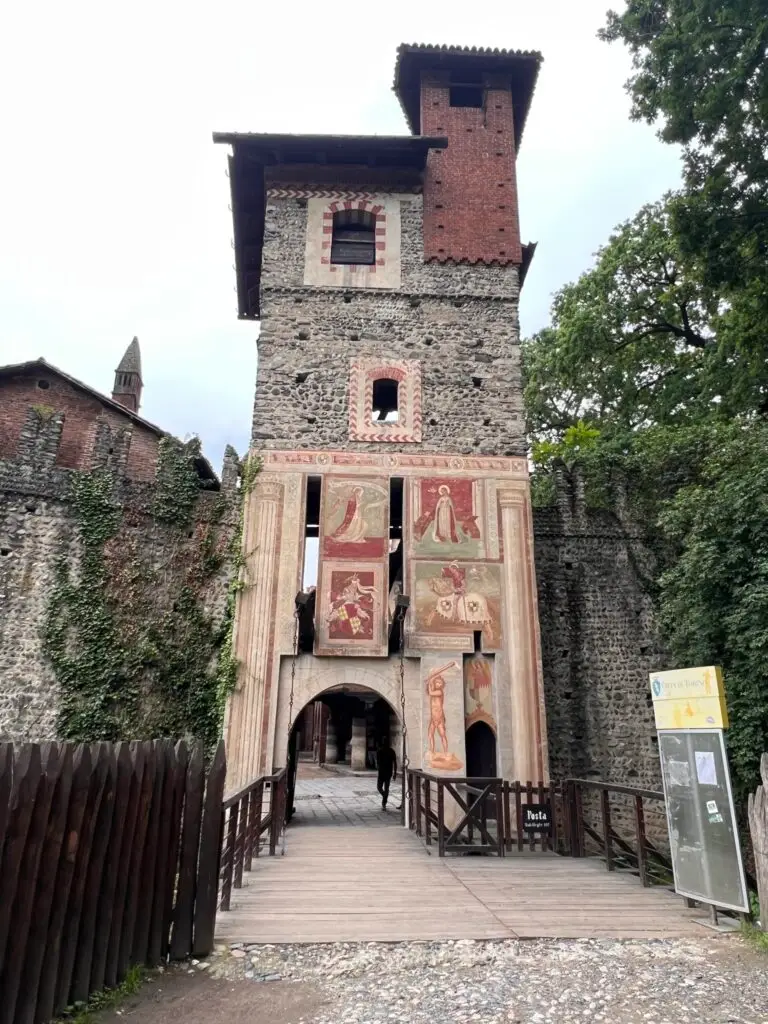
{"type": "Point", "coordinates": [114, 202]}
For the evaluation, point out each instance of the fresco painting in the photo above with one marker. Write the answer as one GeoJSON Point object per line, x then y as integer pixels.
{"type": "Point", "coordinates": [456, 598]}
{"type": "Point", "coordinates": [442, 687]}
{"type": "Point", "coordinates": [355, 518]}
{"type": "Point", "coordinates": [352, 603]}
{"type": "Point", "coordinates": [478, 690]}
{"type": "Point", "coordinates": [446, 517]}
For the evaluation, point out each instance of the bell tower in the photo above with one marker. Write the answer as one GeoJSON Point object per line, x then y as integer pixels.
{"type": "Point", "coordinates": [128, 383]}
{"type": "Point", "coordinates": [388, 421]}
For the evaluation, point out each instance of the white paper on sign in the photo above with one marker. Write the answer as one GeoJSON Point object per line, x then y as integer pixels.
{"type": "Point", "coordinates": [706, 772]}
{"type": "Point", "coordinates": [679, 773]}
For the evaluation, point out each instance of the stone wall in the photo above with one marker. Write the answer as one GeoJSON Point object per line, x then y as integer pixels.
{"type": "Point", "coordinates": [460, 321]}
{"type": "Point", "coordinates": [39, 531]}
{"type": "Point", "coordinates": [599, 643]}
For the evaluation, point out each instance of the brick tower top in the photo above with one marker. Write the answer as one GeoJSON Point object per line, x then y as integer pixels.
{"type": "Point", "coordinates": [478, 99]}
{"type": "Point", "coordinates": [128, 383]}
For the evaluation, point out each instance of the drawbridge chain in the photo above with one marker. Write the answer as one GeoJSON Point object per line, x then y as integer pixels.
{"type": "Point", "coordinates": [288, 766]}
{"type": "Point", "coordinates": [405, 762]}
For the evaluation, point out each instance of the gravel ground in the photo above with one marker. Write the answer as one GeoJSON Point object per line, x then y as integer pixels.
{"type": "Point", "coordinates": [661, 982]}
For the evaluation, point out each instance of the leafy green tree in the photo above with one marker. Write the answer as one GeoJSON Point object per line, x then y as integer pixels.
{"type": "Point", "coordinates": [714, 598]}
{"type": "Point", "coordinates": [632, 342]}
{"type": "Point", "coordinates": [648, 376]}
{"type": "Point", "coordinates": [701, 66]}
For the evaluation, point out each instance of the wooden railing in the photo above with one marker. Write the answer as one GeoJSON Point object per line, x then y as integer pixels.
{"type": "Point", "coordinates": [594, 827]}
{"type": "Point", "coordinates": [108, 857]}
{"type": "Point", "coordinates": [254, 811]}
{"type": "Point", "coordinates": [583, 818]}
{"type": "Point", "coordinates": [473, 820]}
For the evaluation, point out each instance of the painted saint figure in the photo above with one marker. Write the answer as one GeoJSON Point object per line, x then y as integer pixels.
{"type": "Point", "coordinates": [445, 529]}
{"type": "Point", "coordinates": [355, 524]}
{"type": "Point", "coordinates": [352, 527]}
{"type": "Point", "coordinates": [447, 514]}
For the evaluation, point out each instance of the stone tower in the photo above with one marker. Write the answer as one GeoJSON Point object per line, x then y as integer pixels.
{"type": "Point", "coordinates": [388, 419]}
{"type": "Point", "coordinates": [128, 383]}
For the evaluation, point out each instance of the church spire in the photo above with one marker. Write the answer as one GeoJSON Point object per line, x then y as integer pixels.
{"type": "Point", "coordinates": [128, 383]}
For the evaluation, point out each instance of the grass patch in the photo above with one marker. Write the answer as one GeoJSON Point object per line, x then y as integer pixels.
{"type": "Point", "coordinates": [756, 938]}
{"type": "Point", "coordinates": [108, 999]}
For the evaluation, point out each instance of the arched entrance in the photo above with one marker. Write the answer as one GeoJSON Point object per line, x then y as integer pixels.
{"type": "Point", "coordinates": [334, 739]}
{"type": "Point", "coordinates": [481, 751]}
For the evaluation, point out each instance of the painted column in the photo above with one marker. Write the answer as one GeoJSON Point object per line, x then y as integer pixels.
{"type": "Point", "coordinates": [521, 636]}
{"type": "Point", "coordinates": [357, 759]}
{"type": "Point", "coordinates": [254, 633]}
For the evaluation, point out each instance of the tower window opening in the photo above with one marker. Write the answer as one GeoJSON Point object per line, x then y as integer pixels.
{"type": "Point", "coordinates": [385, 400]}
{"type": "Point", "coordinates": [395, 556]}
{"type": "Point", "coordinates": [311, 531]}
{"type": "Point", "coordinates": [354, 237]}
{"type": "Point", "coordinates": [466, 95]}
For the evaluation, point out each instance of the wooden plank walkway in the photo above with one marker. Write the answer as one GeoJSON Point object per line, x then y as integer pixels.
{"type": "Point", "coordinates": [350, 883]}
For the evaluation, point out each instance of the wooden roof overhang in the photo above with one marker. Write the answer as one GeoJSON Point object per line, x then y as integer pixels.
{"type": "Point", "coordinates": [255, 156]}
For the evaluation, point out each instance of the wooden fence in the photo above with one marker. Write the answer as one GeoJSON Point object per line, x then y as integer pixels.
{"type": "Point", "coordinates": [256, 810]}
{"type": "Point", "coordinates": [581, 818]}
{"type": "Point", "coordinates": [610, 821]}
{"type": "Point", "coordinates": [109, 857]}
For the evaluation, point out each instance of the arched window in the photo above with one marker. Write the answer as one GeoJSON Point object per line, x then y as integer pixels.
{"type": "Point", "coordinates": [354, 237]}
{"type": "Point", "coordinates": [384, 401]}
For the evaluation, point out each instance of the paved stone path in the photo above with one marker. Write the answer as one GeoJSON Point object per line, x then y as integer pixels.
{"type": "Point", "coordinates": [324, 797]}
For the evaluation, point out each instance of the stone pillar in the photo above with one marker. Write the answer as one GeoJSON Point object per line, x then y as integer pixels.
{"type": "Point", "coordinates": [357, 758]}
{"type": "Point", "coordinates": [331, 747]}
{"type": "Point", "coordinates": [247, 718]}
{"type": "Point", "coordinates": [521, 640]}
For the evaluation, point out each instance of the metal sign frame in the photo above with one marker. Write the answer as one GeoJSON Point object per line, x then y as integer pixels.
{"type": "Point", "coordinates": [744, 908]}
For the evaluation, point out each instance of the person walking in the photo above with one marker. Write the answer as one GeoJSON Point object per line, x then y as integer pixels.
{"type": "Point", "coordinates": [386, 764]}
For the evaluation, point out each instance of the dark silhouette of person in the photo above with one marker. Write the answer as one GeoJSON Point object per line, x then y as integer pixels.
{"type": "Point", "coordinates": [386, 763]}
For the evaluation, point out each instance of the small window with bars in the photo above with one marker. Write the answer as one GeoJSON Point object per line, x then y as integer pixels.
{"type": "Point", "coordinates": [354, 237]}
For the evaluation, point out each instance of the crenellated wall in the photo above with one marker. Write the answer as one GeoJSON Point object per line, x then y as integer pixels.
{"type": "Point", "coordinates": [147, 558]}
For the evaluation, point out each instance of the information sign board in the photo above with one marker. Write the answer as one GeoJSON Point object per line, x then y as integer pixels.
{"type": "Point", "coordinates": [704, 839]}
{"type": "Point", "coordinates": [689, 698]}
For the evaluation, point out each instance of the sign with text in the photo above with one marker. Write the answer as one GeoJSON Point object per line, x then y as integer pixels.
{"type": "Point", "coordinates": [689, 698]}
{"type": "Point", "coordinates": [703, 834]}
{"type": "Point", "coordinates": [537, 817]}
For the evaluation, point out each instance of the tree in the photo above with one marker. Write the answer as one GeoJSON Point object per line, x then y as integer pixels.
{"type": "Point", "coordinates": [702, 67]}
{"type": "Point", "coordinates": [632, 342]}
{"type": "Point", "coordinates": [714, 598]}
{"type": "Point", "coordinates": [649, 374]}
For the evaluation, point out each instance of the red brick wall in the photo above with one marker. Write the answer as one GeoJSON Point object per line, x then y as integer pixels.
{"type": "Point", "coordinates": [81, 414]}
{"type": "Point", "coordinates": [470, 188]}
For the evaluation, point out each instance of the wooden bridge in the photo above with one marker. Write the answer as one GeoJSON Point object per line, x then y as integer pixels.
{"type": "Point", "coordinates": [351, 872]}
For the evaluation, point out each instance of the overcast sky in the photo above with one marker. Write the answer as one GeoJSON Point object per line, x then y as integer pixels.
{"type": "Point", "coordinates": [114, 216]}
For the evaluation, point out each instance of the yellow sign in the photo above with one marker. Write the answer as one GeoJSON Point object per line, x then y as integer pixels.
{"type": "Point", "coordinates": [689, 698]}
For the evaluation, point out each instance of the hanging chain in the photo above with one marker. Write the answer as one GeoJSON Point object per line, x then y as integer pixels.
{"type": "Point", "coordinates": [288, 766]}
{"type": "Point", "coordinates": [294, 654]}
{"type": "Point", "coordinates": [405, 762]}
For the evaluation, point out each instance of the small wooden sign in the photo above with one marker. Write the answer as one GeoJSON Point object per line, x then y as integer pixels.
{"type": "Point", "coordinates": [537, 817]}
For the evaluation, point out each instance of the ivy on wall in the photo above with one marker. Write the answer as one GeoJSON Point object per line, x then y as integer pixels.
{"type": "Point", "coordinates": [228, 665]}
{"type": "Point", "coordinates": [135, 646]}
